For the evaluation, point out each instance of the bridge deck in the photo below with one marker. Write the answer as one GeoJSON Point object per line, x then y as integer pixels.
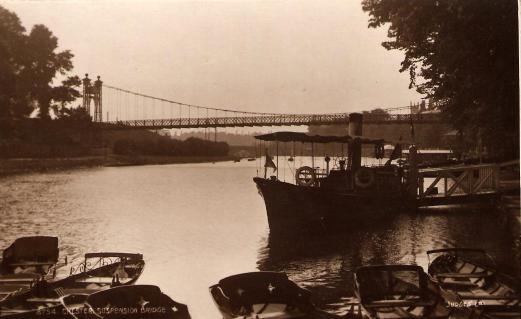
{"type": "Point", "coordinates": [270, 120]}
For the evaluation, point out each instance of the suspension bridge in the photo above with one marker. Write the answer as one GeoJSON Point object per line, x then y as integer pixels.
{"type": "Point", "coordinates": [117, 108]}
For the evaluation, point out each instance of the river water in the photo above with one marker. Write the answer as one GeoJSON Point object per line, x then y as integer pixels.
{"type": "Point", "coordinates": [197, 223]}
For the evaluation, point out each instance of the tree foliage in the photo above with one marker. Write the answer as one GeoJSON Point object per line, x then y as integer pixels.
{"type": "Point", "coordinates": [29, 66]}
{"type": "Point", "coordinates": [461, 53]}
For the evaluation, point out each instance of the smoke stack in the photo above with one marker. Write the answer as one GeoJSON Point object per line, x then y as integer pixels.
{"type": "Point", "coordinates": [355, 124]}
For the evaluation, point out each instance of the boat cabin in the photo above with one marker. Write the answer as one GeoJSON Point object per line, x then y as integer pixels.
{"type": "Point", "coordinates": [343, 172]}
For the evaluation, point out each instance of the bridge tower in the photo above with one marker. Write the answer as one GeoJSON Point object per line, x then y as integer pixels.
{"type": "Point", "coordinates": [86, 93]}
{"type": "Point", "coordinates": [93, 92]}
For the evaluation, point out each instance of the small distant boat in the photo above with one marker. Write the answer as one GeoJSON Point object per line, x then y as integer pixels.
{"type": "Point", "coordinates": [263, 294]}
{"type": "Point", "coordinates": [469, 277]}
{"type": "Point", "coordinates": [290, 159]}
{"type": "Point", "coordinates": [237, 160]}
{"type": "Point", "coordinates": [139, 301]}
{"type": "Point", "coordinates": [431, 157]}
{"type": "Point", "coordinates": [251, 159]}
{"type": "Point", "coordinates": [397, 291]}
{"type": "Point", "coordinates": [98, 271]}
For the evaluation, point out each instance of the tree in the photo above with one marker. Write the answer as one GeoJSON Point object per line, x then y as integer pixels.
{"type": "Point", "coordinates": [464, 55]}
{"type": "Point", "coordinates": [29, 64]}
{"type": "Point", "coordinates": [42, 65]}
{"type": "Point", "coordinates": [11, 43]}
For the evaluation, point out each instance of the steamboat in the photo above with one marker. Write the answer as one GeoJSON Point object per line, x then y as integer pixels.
{"type": "Point", "coordinates": [344, 195]}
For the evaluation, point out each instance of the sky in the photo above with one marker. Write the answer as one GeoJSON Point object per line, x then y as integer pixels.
{"type": "Point", "coordinates": [265, 56]}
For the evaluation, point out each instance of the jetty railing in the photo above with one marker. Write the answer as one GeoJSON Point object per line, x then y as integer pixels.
{"type": "Point", "coordinates": [471, 179]}
{"type": "Point", "coordinates": [461, 180]}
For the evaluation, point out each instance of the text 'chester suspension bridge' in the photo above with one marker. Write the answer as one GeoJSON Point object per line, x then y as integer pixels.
{"type": "Point", "coordinates": [119, 108]}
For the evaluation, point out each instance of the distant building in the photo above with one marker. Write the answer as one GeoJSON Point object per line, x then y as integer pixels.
{"type": "Point", "coordinates": [424, 107]}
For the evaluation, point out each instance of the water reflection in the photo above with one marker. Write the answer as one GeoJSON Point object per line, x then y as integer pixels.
{"type": "Point", "coordinates": [325, 264]}
{"type": "Point", "coordinates": [198, 223]}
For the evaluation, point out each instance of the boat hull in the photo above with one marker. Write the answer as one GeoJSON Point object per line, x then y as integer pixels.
{"type": "Point", "coordinates": [292, 208]}
{"type": "Point", "coordinates": [264, 295]}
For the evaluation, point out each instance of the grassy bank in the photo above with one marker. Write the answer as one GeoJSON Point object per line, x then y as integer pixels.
{"type": "Point", "coordinates": [27, 165]}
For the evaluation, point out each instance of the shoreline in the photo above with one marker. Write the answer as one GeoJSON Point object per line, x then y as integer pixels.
{"type": "Point", "coordinates": [15, 166]}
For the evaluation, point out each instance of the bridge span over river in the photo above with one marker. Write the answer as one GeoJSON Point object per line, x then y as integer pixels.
{"type": "Point", "coordinates": [117, 108]}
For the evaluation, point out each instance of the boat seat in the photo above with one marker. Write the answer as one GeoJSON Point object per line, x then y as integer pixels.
{"type": "Point", "coordinates": [6, 311]}
{"type": "Point", "coordinates": [19, 276]}
{"type": "Point", "coordinates": [79, 291]}
{"type": "Point", "coordinates": [43, 300]}
{"type": "Point", "coordinates": [97, 280]}
{"type": "Point", "coordinates": [279, 315]}
{"type": "Point", "coordinates": [7, 290]}
{"type": "Point", "coordinates": [452, 282]}
{"type": "Point", "coordinates": [514, 315]}
{"type": "Point", "coordinates": [398, 303]}
{"type": "Point", "coordinates": [33, 263]}
{"type": "Point", "coordinates": [485, 296]}
{"type": "Point", "coordinates": [460, 275]}
{"type": "Point", "coordinates": [268, 308]}
{"type": "Point", "coordinates": [25, 281]}
{"type": "Point", "coordinates": [417, 313]}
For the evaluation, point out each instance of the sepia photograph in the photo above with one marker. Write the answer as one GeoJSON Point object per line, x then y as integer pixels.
{"type": "Point", "coordinates": [260, 159]}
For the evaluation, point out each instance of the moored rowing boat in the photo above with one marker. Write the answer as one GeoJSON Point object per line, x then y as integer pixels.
{"type": "Point", "coordinates": [258, 295]}
{"type": "Point", "coordinates": [26, 261]}
{"type": "Point", "coordinates": [397, 291]}
{"type": "Point", "coordinates": [99, 271]}
{"type": "Point", "coordinates": [468, 279]}
{"type": "Point", "coordinates": [139, 301]}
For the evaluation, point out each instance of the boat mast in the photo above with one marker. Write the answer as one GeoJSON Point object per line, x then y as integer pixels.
{"type": "Point", "coordinates": [277, 160]}
{"type": "Point", "coordinates": [265, 166]}
{"type": "Point", "coordinates": [313, 155]}
{"type": "Point", "coordinates": [355, 130]}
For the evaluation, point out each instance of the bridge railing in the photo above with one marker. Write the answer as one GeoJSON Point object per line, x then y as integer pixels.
{"type": "Point", "coordinates": [275, 120]}
{"type": "Point", "coordinates": [271, 120]}
{"type": "Point", "coordinates": [376, 118]}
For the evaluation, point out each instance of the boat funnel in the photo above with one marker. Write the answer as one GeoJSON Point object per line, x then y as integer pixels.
{"type": "Point", "coordinates": [355, 148]}
{"type": "Point", "coordinates": [355, 124]}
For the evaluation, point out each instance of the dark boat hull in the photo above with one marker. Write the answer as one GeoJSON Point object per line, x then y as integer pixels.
{"type": "Point", "coordinates": [292, 208]}
{"type": "Point", "coordinates": [264, 294]}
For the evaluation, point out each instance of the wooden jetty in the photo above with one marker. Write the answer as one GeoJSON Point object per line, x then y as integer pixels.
{"type": "Point", "coordinates": [462, 184]}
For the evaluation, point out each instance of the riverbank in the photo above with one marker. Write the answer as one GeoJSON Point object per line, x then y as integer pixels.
{"type": "Point", "coordinates": [27, 165]}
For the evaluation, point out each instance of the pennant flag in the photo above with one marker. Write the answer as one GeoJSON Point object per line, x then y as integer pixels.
{"type": "Point", "coordinates": [269, 163]}
{"type": "Point", "coordinates": [397, 153]}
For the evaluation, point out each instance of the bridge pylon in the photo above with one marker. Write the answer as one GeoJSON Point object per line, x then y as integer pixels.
{"type": "Point", "coordinates": [93, 92]}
